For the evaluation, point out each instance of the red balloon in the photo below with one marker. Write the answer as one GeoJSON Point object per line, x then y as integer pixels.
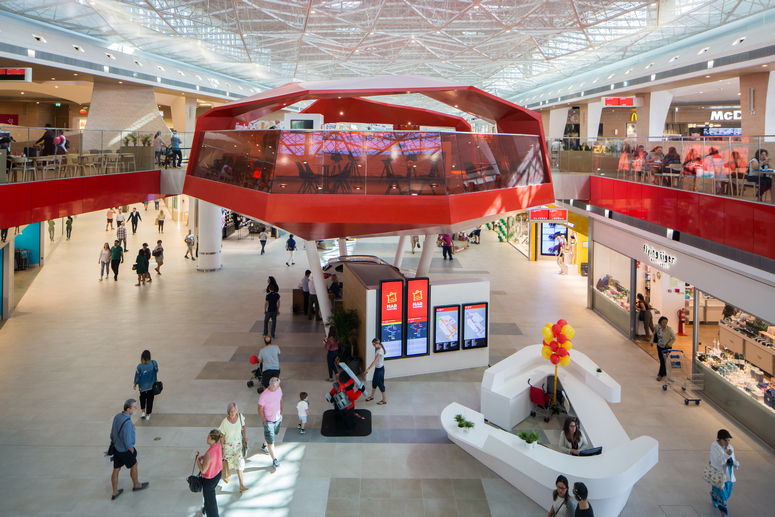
{"type": "Point", "coordinates": [562, 338]}
{"type": "Point", "coordinates": [554, 346]}
{"type": "Point", "coordinates": [554, 358]}
{"type": "Point", "coordinates": [562, 323]}
{"type": "Point", "coordinates": [556, 329]}
{"type": "Point", "coordinates": [545, 343]}
{"type": "Point", "coordinates": [253, 359]}
{"type": "Point", "coordinates": [562, 352]}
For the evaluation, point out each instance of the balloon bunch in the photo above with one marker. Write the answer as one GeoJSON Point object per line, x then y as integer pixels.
{"type": "Point", "coordinates": [557, 342]}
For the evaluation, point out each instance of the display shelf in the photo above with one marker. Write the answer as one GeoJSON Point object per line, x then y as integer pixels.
{"type": "Point", "coordinates": [614, 291]}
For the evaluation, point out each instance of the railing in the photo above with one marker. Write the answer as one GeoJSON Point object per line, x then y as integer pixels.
{"type": "Point", "coordinates": [711, 165]}
{"type": "Point", "coordinates": [38, 154]}
{"type": "Point", "coordinates": [366, 162]}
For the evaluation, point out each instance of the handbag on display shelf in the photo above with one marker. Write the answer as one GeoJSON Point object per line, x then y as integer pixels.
{"type": "Point", "coordinates": [194, 481]}
{"type": "Point", "coordinates": [713, 476]}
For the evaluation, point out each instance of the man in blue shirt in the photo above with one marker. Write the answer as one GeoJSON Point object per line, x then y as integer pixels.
{"type": "Point", "coordinates": [122, 436]}
{"type": "Point", "coordinates": [175, 146]}
{"type": "Point", "coordinates": [271, 310]}
{"type": "Point", "coordinates": [290, 245]}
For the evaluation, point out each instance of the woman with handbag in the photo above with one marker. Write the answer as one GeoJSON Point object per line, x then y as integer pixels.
{"type": "Point", "coordinates": [145, 377]}
{"type": "Point", "coordinates": [722, 458]}
{"type": "Point", "coordinates": [210, 467]}
{"type": "Point", "coordinates": [142, 267]}
{"type": "Point", "coordinates": [644, 315]}
{"type": "Point", "coordinates": [235, 444]}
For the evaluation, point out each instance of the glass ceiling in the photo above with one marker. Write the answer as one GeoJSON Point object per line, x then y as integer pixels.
{"type": "Point", "coordinates": [502, 46]}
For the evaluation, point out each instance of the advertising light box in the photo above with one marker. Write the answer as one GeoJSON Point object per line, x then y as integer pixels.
{"type": "Point", "coordinates": [417, 298]}
{"type": "Point", "coordinates": [474, 325]}
{"type": "Point", "coordinates": [447, 323]}
{"type": "Point", "coordinates": [391, 317]}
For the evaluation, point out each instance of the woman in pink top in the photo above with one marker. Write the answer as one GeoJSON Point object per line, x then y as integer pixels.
{"type": "Point", "coordinates": [210, 465]}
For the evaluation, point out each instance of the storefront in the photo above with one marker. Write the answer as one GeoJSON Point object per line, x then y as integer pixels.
{"type": "Point", "coordinates": [704, 120]}
{"type": "Point", "coordinates": [555, 231]}
{"type": "Point", "coordinates": [728, 308]}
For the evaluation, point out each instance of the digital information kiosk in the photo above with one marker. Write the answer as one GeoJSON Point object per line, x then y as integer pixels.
{"type": "Point", "coordinates": [474, 325]}
{"type": "Point", "coordinates": [391, 312]}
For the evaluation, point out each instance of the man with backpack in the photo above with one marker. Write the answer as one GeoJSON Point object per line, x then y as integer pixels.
{"type": "Point", "coordinates": [189, 240]}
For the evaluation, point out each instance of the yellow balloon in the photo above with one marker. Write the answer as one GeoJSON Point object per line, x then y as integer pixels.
{"type": "Point", "coordinates": [568, 331]}
{"type": "Point", "coordinates": [567, 345]}
{"type": "Point", "coordinates": [565, 361]}
{"type": "Point", "coordinates": [547, 333]}
{"type": "Point", "coordinates": [546, 352]}
{"type": "Point", "coordinates": [548, 325]}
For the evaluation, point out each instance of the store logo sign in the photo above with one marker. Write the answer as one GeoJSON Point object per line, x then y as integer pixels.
{"type": "Point", "coordinates": [726, 115]}
{"type": "Point", "coordinates": [658, 257]}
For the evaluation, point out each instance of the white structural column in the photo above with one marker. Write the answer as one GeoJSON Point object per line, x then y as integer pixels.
{"type": "Point", "coordinates": [320, 284]}
{"type": "Point", "coordinates": [558, 117]}
{"type": "Point", "coordinates": [594, 111]}
{"type": "Point", "coordinates": [400, 250]}
{"type": "Point", "coordinates": [659, 105]}
{"type": "Point", "coordinates": [429, 244]}
{"type": "Point", "coordinates": [342, 246]}
{"type": "Point", "coordinates": [769, 108]}
{"type": "Point", "coordinates": [210, 235]}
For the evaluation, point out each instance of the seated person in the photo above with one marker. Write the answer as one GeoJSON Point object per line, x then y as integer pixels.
{"type": "Point", "coordinates": [572, 439]}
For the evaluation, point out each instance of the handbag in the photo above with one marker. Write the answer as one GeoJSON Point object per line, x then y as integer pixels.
{"type": "Point", "coordinates": [134, 267]}
{"type": "Point", "coordinates": [225, 472]}
{"type": "Point", "coordinates": [713, 476]}
{"type": "Point", "coordinates": [244, 440]}
{"type": "Point", "coordinates": [158, 387]}
{"type": "Point", "coordinates": [194, 481]}
{"type": "Point", "coordinates": [112, 447]}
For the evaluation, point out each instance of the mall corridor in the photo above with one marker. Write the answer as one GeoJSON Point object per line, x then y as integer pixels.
{"type": "Point", "coordinates": [71, 348]}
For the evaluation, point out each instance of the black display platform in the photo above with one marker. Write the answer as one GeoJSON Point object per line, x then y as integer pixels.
{"type": "Point", "coordinates": [333, 424]}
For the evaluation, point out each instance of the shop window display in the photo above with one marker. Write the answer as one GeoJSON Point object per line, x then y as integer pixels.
{"type": "Point", "coordinates": [613, 276]}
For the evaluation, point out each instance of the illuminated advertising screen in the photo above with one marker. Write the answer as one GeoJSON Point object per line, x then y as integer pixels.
{"type": "Point", "coordinates": [417, 298]}
{"type": "Point", "coordinates": [474, 325]}
{"type": "Point", "coordinates": [550, 243]}
{"type": "Point", "coordinates": [447, 323]}
{"type": "Point", "coordinates": [391, 317]}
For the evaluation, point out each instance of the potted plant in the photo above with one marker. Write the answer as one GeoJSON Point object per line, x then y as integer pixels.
{"type": "Point", "coordinates": [530, 437]}
{"type": "Point", "coordinates": [599, 373]}
{"type": "Point", "coordinates": [468, 425]}
{"type": "Point", "coordinates": [143, 154]}
{"type": "Point", "coordinates": [146, 140]}
{"type": "Point", "coordinates": [461, 421]}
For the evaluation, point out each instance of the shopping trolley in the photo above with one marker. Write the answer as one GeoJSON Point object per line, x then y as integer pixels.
{"type": "Point", "coordinates": [542, 401]}
{"type": "Point", "coordinates": [680, 375]}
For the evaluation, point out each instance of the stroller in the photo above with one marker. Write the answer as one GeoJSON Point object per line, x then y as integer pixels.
{"type": "Point", "coordinates": [166, 158]}
{"type": "Point", "coordinates": [542, 400]}
{"type": "Point", "coordinates": [257, 375]}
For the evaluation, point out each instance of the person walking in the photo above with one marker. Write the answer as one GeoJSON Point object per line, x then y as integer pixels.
{"type": "Point", "coordinates": [562, 503]}
{"type": "Point", "coordinates": [160, 221]}
{"type": "Point", "coordinates": [121, 236]}
{"type": "Point", "coordinates": [122, 436]}
{"type": "Point", "coordinates": [210, 465]}
{"type": "Point", "coordinates": [415, 242]}
{"type": "Point", "coordinates": [271, 310]}
{"type": "Point", "coordinates": [51, 229]}
{"type": "Point", "coordinates": [644, 315]}
{"type": "Point", "coordinates": [110, 215]}
{"type": "Point", "coordinates": [158, 143]}
{"type": "Point", "coordinates": [156, 204]}
{"type": "Point", "coordinates": [477, 235]}
{"type": "Point", "coordinates": [314, 307]}
{"type": "Point", "coordinates": [290, 245]}
{"type": "Point", "coordinates": [305, 289]}
{"type": "Point", "coordinates": [302, 409]}
{"type": "Point", "coordinates": [583, 508]}
{"type": "Point", "coordinates": [189, 240]}
{"type": "Point", "coordinates": [145, 204]}
{"type": "Point", "coordinates": [104, 260]}
{"type": "Point", "coordinates": [145, 377]}
{"type": "Point", "coordinates": [262, 237]}
{"type": "Point", "coordinates": [331, 344]}
{"type": "Point", "coordinates": [147, 252]}
{"type": "Point", "coordinates": [69, 226]}
{"type": "Point", "coordinates": [270, 283]}
{"type": "Point", "coordinates": [116, 258]}
{"type": "Point", "coordinates": [120, 217]}
{"type": "Point", "coordinates": [134, 218]}
{"type": "Point", "coordinates": [234, 433]}
{"type": "Point", "coordinates": [177, 154]}
{"type": "Point", "coordinates": [446, 246]}
{"type": "Point", "coordinates": [158, 254]}
{"type": "Point", "coordinates": [141, 267]}
{"type": "Point", "coordinates": [270, 409]}
{"type": "Point", "coordinates": [664, 337]}
{"type": "Point", "coordinates": [269, 358]}
{"type": "Point", "coordinates": [378, 365]}
{"type": "Point", "coordinates": [722, 458]}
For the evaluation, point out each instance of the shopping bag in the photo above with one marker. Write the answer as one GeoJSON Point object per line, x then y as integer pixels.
{"type": "Point", "coordinates": [713, 476]}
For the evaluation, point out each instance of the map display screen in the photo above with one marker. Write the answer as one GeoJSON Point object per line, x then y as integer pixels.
{"type": "Point", "coordinates": [391, 317]}
{"type": "Point", "coordinates": [447, 323]}
{"type": "Point", "coordinates": [417, 298]}
{"type": "Point", "coordinates": [474, 325]}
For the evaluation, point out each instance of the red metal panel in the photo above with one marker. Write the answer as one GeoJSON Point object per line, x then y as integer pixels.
{"type": "Point", "coordinates": [711, 215]}
{"type": "Point", "coordinates": [15, 204]}
{"type": "Point", "coordinates": [687, 208]}
{"type": "Point", "coordinates": [667, 207]}
{"type": "Point", "coordinates": [99, 192]}
{"type": "Point", "coordinates": [44, 200]}
{"type": "Point", "coordinates": [635, 199]}
{"type": "Point", "coordinates": [738, 224]}
{"type": "Point", "coordinates": [650, 203]}
{"type": "Point", "coordinates": [619, 200]}
{"type": "Point", "coordinates": [764, 230]}
{"type": "Point", "coordinates": [70, 197]}
{"type": "Point", "coordinates": [595, 190]}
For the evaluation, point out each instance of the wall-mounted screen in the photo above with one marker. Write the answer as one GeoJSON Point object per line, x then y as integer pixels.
{"type": "Point", "coordinates": [417, 298]}
{"type": "Point", "coordinates": [549, 241]}
{"type": "Point", "coordinates": [391, 317]}
{"type": "Point", "coordinates": [474, 325]}
{"type": "Point", "coordinates": [302, 124]}
{"type": "Point", "coordinates": [447, 320]}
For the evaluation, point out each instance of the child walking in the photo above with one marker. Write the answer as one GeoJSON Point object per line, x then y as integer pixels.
{"type": "Point", "coordinates": [303, 409]}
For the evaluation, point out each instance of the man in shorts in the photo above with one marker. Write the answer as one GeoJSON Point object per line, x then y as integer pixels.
{"type": "Point", "coordinates": [122, 436]}
{"type": "Point", "coordinates": [270, 409]}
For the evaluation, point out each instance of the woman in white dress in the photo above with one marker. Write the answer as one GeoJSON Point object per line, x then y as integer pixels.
{"type": "Point", "coordinates": [233, 427]}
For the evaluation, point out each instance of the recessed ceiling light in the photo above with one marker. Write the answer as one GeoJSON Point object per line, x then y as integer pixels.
{"type": "Point", "coordinates": [703, 50]}
{"type": "Point", "coordinates": [75, 74]}
{"type": "Point", "coordinates": [707, 76]}
{"type": "Point", "coordinates": [649, 65]}
{"type": "Point", "coordinates": [765, 66]}
{"type": "Point", "coordinates": [673, 58]}
{"type": "Point", "coordinates": [738, 41]}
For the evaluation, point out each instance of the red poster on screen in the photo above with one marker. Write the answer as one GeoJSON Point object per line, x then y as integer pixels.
{"type": "Point", "coordinates": [11, 120]}
{"type": "Point", "coordinates": [417, 301]}
{"type": "Point", "coordinates": [392, 306]}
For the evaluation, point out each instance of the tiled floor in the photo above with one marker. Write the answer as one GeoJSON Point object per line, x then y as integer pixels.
{"type": "Point", "coordinates": [69, 354]}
